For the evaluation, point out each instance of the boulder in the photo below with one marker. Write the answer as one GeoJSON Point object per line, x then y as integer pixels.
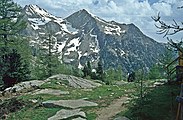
{"type": "Point", "coordinates": [66, 114]}
{"type": "Point", "coordinates": [51, 92]}
{"type": "Point", "coordinates": [75, 82]}
{"type": "Point", "coordinates": [69, 103]}
{"type": "Point", "coordinates": [34, 84]}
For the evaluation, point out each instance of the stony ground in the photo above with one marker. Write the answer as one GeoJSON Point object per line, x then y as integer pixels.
{"type": "Point", "coordinates": [69, 97]}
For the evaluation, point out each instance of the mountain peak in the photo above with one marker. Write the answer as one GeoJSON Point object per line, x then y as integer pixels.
{"type": "Point", "coordinates": [84, 11]}
{"type": "Point", "coordinates": [80, 18]}
{"type": "Point", "coordinates": [33, 9]}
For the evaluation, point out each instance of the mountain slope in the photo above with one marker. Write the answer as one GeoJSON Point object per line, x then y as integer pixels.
{"type": "Point", "coordinates": [83, 37]}
{"type": "Point", "coordinates": [119, 44]}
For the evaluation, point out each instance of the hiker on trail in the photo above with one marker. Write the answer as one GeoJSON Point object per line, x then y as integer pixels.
{"type": "Point", "coordinates": [131, 77]}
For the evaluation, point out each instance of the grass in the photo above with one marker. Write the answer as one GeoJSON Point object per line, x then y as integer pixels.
{"type": "Point", "coordinates": [102, 95]}
{"type": "Point", "coordinates": [40, 113]}
{"type": "Point", "coordinates": [157, 104]}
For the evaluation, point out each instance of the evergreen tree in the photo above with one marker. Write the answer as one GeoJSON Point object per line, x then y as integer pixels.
{"type": "Point", "coordinates": [155, 72]}
{"type": "Point", "coordinates": [119, 73]}
{"type": "Point", "coordinates": [11, 21]}
{"type": "Point", "coordinates": [13, 68]}
{"type": "Point", "coordinates": [47, 56]}
{"type": "Point", "coordinates": [87, 70]}
{"type": "Point", "coordinates": [100, 71]}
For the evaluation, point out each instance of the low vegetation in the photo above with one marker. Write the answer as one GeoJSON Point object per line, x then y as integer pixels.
{"type": "Point", "coordinates": [157, 104]}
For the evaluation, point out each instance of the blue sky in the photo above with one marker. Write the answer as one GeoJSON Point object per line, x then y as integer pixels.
{"type": "Point", "coordinates": [138, 12]}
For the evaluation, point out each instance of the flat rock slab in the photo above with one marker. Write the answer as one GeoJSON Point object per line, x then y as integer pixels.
{"type": "Point", "coordinates": [25, 85]}
{"type": "Point", "coordinates": [121, 118]}
{"type": "Point", "coordinates": [69, 103]}
{"type": "Point", "coordinates": [79, 118]}
{"type": "Point", "coordinates": [75, 82]}
{"type": "Point", "coordinates": [51, 92]}
{"type": "Point", "coordinates": [65, 114]}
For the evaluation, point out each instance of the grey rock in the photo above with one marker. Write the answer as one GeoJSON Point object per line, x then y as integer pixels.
{"type": "Point", "coordinates": [79, 118]}
{"type": "Point", "coordinates": [69, 103]}
{"type": "Point", "coordinates": [75, 82]}
{"type": "Point", "coordinates": [51, 92]}
{"type": "Point", "coordinates": [65, 114]}
{"type": "Point", "coordinates": [121, 118]}
{"type": "Point", "coordinates": [121, 82]}
{"type": "Point", "coordinates": [24, 85]}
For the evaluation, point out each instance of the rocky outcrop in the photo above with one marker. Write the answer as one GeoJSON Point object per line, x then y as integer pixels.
{"type": "Point", "coordinates": [27, 85]}
{"type": "Point", "coordinates": [75, 82]}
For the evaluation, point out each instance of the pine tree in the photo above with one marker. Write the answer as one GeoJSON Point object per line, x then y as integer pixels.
{"type": "Point", "coordinates": [13, 67]}
{"type": "Point", "coordinates": [11, 21]}
{"type": "Point", "coordinates": [100, 71]}
{"type": "Point", "coordinates": [13, 70]}
{"type": "Point", "coordinates": [47, 53]}
{"type": "Point", "coordinates": [87, 70]}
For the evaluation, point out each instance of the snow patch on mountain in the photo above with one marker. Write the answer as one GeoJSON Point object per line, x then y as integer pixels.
{"type": "Point", "coordinates": [36, 22]}
{"type": "Point", "coordinates": [74, 42]}
{"type": "Point", "coordinates": [72, 46]}
{"type": "Point", "coordinates": [110, 28]}
{"type": "Point", "coordinates": [39, 17]}
{"type": "Point", "coordinates": [113, 30]}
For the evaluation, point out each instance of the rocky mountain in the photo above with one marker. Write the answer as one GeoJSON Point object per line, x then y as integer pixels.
{"type": "Point", "coordinates": [83, 37]}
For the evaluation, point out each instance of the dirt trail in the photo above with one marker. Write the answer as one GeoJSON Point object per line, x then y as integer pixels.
{"type": "Point", "coordinates": [114, 108]}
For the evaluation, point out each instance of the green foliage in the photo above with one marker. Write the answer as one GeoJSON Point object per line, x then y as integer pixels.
{"type": "Point", "coordinates": [39, 70]}
{"type": "Point", "coordinates": [10, 106]}
{"type": "Point", "coordinates": [100, 72]}
{"type": "Point", "coordinates": [159, 71]}
{"type": "Point", "coordinates": [87, 70]}
{"type": "Point", "coordinates": [156, 72]}
{"type": "Point", "coordinates": [10, 21]}
{"type": "Point", "coordinates": [114, 74]}
{"type": "Point", "coordinates": [77, 72]}
{"type": "Point", "coordinates": [48, 53]}
{"type": "Point", "coordinates": [13, 68]}
{"type": "Point", "coordinates": [158, 104]}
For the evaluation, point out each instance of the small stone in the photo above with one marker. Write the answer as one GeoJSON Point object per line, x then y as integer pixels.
{"type": "Point", "coordinates": [34, 101]}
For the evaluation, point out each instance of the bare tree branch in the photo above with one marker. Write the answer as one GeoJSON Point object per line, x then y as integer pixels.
{"type": "Point", "coordinates": [167, 29]}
